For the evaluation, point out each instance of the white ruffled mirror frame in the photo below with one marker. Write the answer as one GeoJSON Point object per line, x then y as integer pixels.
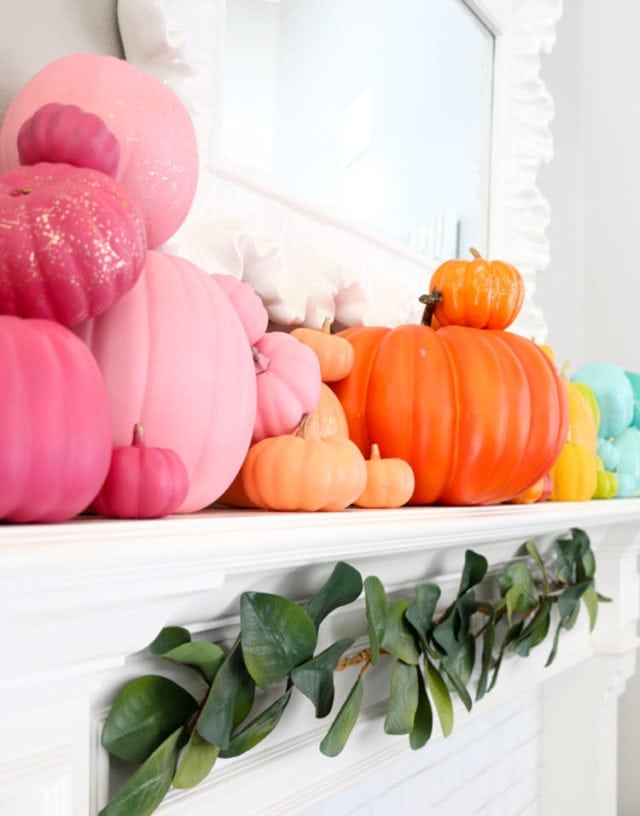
{"type": "Point", "coordinates": [306, 263]}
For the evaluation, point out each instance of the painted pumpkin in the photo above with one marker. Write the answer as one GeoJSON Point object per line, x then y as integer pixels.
{"type": "Point", "coordinates": [390, 482]}
{"type": "Point", "coordinates": [328, 417]}
{"type": "Point", "coordinates": [479, 415]}
{"type": "Point", "coordinates": [575, 474]}
{"type": "Point", "coordinates": [68, 134]}
{"type": "Point", "coordinates": [606, 483]}
{"type": "Point", "coordinates": [142, 482]}
{"type": "Point", "coordinates": [292, 472]}
{"type": "Point", "coordinates": [288, 384]}
{"type": "Point", "coordinates": [72, 242]}
{"type": "Point", "coordinates": [628, 446]}
{"type": "Point", "coordinates": [159, 157]}
{"type": "Point", "coordinates": [531, 494]}
{"type": "Point", "coordinates": [582, 421]}
{"type": "Point", "coordinates": [479, 293]}
{"type": "Point", "coordinates": [248, 305]}
{"type": "Point", "coordinates": [335, 353]}
{"type": "Point", "coordinates": [176, 359]}
{"type": "Point", "coordinates": [55, 441]}
{"type": "Point", "coordinates": [613, 392]}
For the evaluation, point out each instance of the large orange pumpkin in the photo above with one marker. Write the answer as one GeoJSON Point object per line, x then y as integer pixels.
{"type": "Point", "coordinates": [480, 415]}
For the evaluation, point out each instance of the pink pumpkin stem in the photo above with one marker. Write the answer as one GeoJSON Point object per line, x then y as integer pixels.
{"type": "Point", "coordinates": [261, 361]}
{"type": "Point", "coordinates": [138, 436]}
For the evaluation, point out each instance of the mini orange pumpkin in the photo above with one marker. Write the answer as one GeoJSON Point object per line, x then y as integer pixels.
{"type": "Point", "coordinates": [390, 481]}
{"type": "Point", "coordinates": [334, 353]}
{"type": "Point", "coordinates": [329, 418]}
{"type": "Point", "coordinates": [479, 293]}
{"type": "Point", "coordinates": [293, 472]}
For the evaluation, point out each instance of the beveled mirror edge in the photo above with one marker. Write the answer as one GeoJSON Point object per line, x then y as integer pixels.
{"type": "Point", "coordinates": [260, 233]}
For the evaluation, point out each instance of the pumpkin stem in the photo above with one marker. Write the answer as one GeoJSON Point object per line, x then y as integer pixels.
{"type": "Point", "coordinates": [138, 436]}
{"type": "Point", "coordinates": [326, 325]}
{"type": "Point", "coordinates": [260, 361]}
{"type": "Point", "coordinates": [430, 302]}
{"type": "Point", "coordinates": [475, 253]}
{"type": "Point", "coordinates": [375, 452]}
{"type": "Point", "coordinates": [17, 191]}
{"type": "Point", "coordinates": [564, 371]}
{"type": "Point", "coordinates": [303, 425]}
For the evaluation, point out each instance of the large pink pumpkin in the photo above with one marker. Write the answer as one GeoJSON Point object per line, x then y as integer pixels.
{"type": "Point", "coordinates": [55, 439]}
{"type": "Point", "coordinates": [176, 359]}
{"type": "Point", "coordinates": [158, 152]}
{"type": "Point", "coordinates": [72, 242]}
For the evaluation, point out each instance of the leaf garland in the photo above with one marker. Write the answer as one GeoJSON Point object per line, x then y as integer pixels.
{"type": "Point", "coordinates": [175, 739]}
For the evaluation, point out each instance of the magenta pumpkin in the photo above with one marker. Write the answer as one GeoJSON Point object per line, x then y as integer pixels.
{"type": "Point", "coordinates": [159, 157]}
{"type": "Point", "coordinates": [72, 242]}
{"type": "Point", "coordinates": [142, 482]}
{"type": "Point", "coordinates": [248, 305]}
{"type": "Point", "coordinates": [55, 440]}
{"type": "Point", "coordinates": [289, 383]}
{"type": "Point", "coordinates": [176, 359]}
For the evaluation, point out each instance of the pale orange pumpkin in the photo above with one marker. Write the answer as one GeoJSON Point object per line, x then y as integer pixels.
{"type": "Point", "coordinates": [329, 418]}
{"type": "Point", "coordinates": [390, 481]}
{"type": "Point", "coordinates": [334, 352]}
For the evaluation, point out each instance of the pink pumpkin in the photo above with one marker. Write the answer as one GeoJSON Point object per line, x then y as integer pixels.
{"type": "Point", "coordinates": [55, 441]}
{"type": "Point", "coordinates": [142, 482]}
{"type": "Point", "coordinates": [289, 383]}
{"type": "Point", "coordinates": [72, 242]}
{"type": "Point", "coordinates": [248, 305]}
{"type": "Point", "coordinates": [176, 359]}
{"type": "Point", "coordinates": [159, 157]}
{"type": "Point", "coordinates": [66, 133]}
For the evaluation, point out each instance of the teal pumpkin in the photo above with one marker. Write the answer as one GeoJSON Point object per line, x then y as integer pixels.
{"type": "Point", "coordinates": [613, 393]}
{"type": "Point", "coordinates": [609, 453]}
{"type": "Point", "coordinates": [628, 444]}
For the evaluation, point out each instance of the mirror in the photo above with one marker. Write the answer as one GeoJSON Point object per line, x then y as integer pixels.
{"type": "Point", "coordinates": [378, 113]}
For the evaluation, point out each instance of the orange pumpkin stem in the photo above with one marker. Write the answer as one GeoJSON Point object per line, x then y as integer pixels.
{"type": "Point", "coordinates": [475, 253]}
{"type": "Point", "coordinates": [326, 325]}
{"type": "Point", "coordinates": [430, 301]}
{"type": "Point", "coordinates": [138, 436]}
{"type": "Point", "coordinates": [375, 452]}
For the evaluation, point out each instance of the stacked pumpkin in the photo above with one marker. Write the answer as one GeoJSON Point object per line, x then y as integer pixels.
{"type": "Point", "coordinates": [101, 332]}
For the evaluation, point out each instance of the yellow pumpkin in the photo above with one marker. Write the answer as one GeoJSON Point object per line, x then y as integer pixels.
{"type": "Point", "coordinates": [575, 474]}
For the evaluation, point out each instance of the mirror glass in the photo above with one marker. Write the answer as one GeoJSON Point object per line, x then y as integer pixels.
{"type": "Point", "coordinates": [379, 110]}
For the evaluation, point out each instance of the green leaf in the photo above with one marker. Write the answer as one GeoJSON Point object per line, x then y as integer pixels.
{"type": "Point", "coordinates": [440, 696]}
{"type": "Point", "coordinates": [421, 610]}
{"type": "Point", "coordinates": [446, 633]}
{"type": "Point", "coordinates": [569, 603]}
{"type": "Point", "coordinates": [276, 634]}
{"type": "Point", "coordinates": [196, 762]}
{"type": "Point", "coordinates": [554, 647]}
{"type": "Point", "coordinates": [518, 588]}
{"type": "Point", "coordinates": [581, 538]}
{"type": "Point", "coordinates": [342, 726]}
{"type": "Point", "coordinates": [315, 677]}
{"type": "Point", "coordinates": [590, 600]}
{"type": "Point", "coordinates": [474, 570]}
{"type": "Point", "coordinates": [399, 639]}
{"type": "Point", "coordinates": [535, 631]}
{"type": "Point", "coordinates": [143, 715]}
{"type": "Point", "coordinates": [376, 603]}
{"type": "Point", "coordinates": [488, 642]}
{"type": "Point", "coordinates": [603, 598]}
{"type": "Point", "coordinates": [342, 587]}
{"type": "Point", "coordinates": [458, 671]}
{"type": "Point", "coordinates": [512, 634]}
{"type": "Point", "coordinates": [567, 551]}
{"type": "Point", "coordinates": [403, 699]}
{"type": "Point", "coordinates": [229, 701]}
{"type": "Point", "coordinates": [169, 638]}
{"type": "Point", "coordinates": [259, 728]}
{"type": "Point", "coordinates": [534, 553]}
{"type": "Point", "coordinates": [206, 657]}
{"type": "Point", "coordinates": [423, 722]}
{"type": "Point", "coordinates": [148, 786]}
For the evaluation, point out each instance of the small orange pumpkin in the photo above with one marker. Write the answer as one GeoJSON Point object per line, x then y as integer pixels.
{"type": "Point", "coordinates": [390, 481]}
{"type": "Point", "coordinates": [479, 293]}
{"type": "Point", "coordinates": [293, 472]}
{"type": "Point", "coordinates": [334, 353]}
{"type": "Point", "coordinates": [329, 418]}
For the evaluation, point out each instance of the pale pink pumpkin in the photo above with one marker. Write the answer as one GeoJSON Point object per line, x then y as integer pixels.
{"type": "Point", "coordinates": [55, 439]}
{"type": "Point", "coordinates": [159, 157]}
{"type": "Point", "coordinates": [248, 305]}
{"type": "Point", "coordinates": [72, 242]}
{"type": "Point", "coordinates": [289, 383]}
{"type": "Point", "coordinates": [68, 134]}
{"type": "Point", "coordinates": [142, 482]}
{"type": "Point", "coordinates": [175, 358]}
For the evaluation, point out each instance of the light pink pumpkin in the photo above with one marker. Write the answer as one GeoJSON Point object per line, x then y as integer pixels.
{"type": "Point", "coordinates": [248, 305]}
{"type": "Point", "coordinates": [55, 440]}
{"type": "Point", "coordinates": [142, 482]}
{"type": "Point", "coordinates": [289, 383]}
{"type": "Point", "coordinates": [72, 242]}
{"type": "Point", "coordinates": [175, 358]}
{"type": "Point", "coordinates": [159, 157]}
{"type": "Point", "coordinates": [68, 134]}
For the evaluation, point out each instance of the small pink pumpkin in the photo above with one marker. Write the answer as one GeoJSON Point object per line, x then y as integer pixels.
{"type": "Point", "coordinates": [248, 305]}
{"type": "Point", "coordinates": [175, 358]}
{"type": "Point", "coordinates": [289, 383]}
{"type": "Point", "coordinates": [55, 439]}
{"type": "Point", "coordinates": [72, 242]}
{"type": "Point", "coordinates": [68, 134]}
{"type": "Point", "coordinates": [159, 157]}
{"type": "Point", "coordinates": [142, 482]}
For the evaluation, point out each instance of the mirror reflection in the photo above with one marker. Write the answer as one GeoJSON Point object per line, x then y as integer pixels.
{"type": "Point", "coordinates": [377, 109]}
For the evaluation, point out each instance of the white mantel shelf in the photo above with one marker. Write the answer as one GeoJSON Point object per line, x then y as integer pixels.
{"type": "Point", "coordinates": [80, 600]}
